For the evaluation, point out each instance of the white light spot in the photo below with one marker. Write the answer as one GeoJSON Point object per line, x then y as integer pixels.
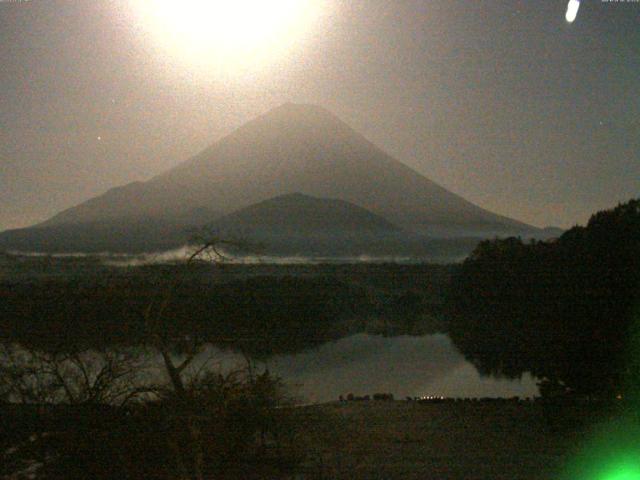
{"type": "Point", "coordinates": [99, 138]}
{"type": "Point", "coordinates": [572, 10]}
{"type": "Point", "coordinates": [228, 35]}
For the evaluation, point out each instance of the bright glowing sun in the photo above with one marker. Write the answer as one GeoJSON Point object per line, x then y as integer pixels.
{"type": "Point", "coordinates": [227, 34]}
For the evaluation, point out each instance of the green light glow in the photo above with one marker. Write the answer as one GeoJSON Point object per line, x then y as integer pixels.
{"type": "Point", "coordinates": [611, 449]}
{"type": "Point", "coordinates": [622, 472]}
{"type": "Point", "coordinates": [610, 452]}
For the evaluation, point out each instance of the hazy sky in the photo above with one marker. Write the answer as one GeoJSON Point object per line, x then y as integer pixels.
{"type": "Point", "coordinates": [503, 102]}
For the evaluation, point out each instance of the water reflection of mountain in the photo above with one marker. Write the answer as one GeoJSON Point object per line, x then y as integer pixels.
{"type": "Point", "coordinates": [366, 364]}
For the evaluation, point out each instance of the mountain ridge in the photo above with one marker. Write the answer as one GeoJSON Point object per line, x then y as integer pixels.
{"type": "Point", "coordinates": [296, 214]}
{"type": "Point", "coordinates": [292, 148]}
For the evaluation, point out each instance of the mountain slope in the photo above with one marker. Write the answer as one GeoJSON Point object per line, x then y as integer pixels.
{"type": "Point", "coordinates": [301, 215]}
{"type": "Point", "coordinates": [292, 148]}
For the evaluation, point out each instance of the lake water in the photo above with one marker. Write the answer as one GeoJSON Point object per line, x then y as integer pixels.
{"type": "Point", "coordinates": [362, 364]}
{"type": "Point", "coordinates": [365, 364]}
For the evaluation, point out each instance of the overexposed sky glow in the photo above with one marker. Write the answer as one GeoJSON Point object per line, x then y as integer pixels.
{"type": "Point", "coordinates": [504, 103]}
{"type": "Point", "coordinates": [227, 36]}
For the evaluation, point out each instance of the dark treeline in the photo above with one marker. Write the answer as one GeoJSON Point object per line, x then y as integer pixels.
{"type": "Point", "coordinates": [564, 310]}
{"type": "Point", "coordinates": [259, 314]}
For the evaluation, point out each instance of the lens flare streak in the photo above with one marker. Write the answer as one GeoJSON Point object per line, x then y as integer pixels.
{"type": "Point", "coordinates": [572, 10]}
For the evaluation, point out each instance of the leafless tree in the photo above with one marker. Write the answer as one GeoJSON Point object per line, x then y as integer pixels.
{"type": "Point", "coordinates": [216, 415]}
{"type": "Point", "coordinates": [71, 376]}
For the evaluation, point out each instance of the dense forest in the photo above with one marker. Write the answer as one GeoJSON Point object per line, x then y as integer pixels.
{"type": "Point", "coordinates": [565, 310]}
{"type": "Point", "coordinates": [261, 310]}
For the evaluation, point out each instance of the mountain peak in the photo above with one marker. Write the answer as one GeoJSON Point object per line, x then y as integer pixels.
{"type": "Point", "coordinates": [293, 148]}
{"type": "Point", "coordinates": [291, 131]}
{"type": "Point", "coordinates": [301, 114]}
{"type": "Point", "coordinates": [291, 108]}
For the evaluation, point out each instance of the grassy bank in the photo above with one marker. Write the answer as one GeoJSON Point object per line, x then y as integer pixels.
{"type": "Point", "coordinates": [408, 440]}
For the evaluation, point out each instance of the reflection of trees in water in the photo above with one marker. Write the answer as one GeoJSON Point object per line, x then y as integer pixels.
{"type": "Point", "coordinates": [260, 315]}
{"type": "Point", "coordinates": [563, 310]}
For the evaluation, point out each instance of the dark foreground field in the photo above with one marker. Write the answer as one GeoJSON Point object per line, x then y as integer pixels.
{"type": "Point", "coordinates": [461, 440]}
{"type": "Point", "coordinates": [409, 440]}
